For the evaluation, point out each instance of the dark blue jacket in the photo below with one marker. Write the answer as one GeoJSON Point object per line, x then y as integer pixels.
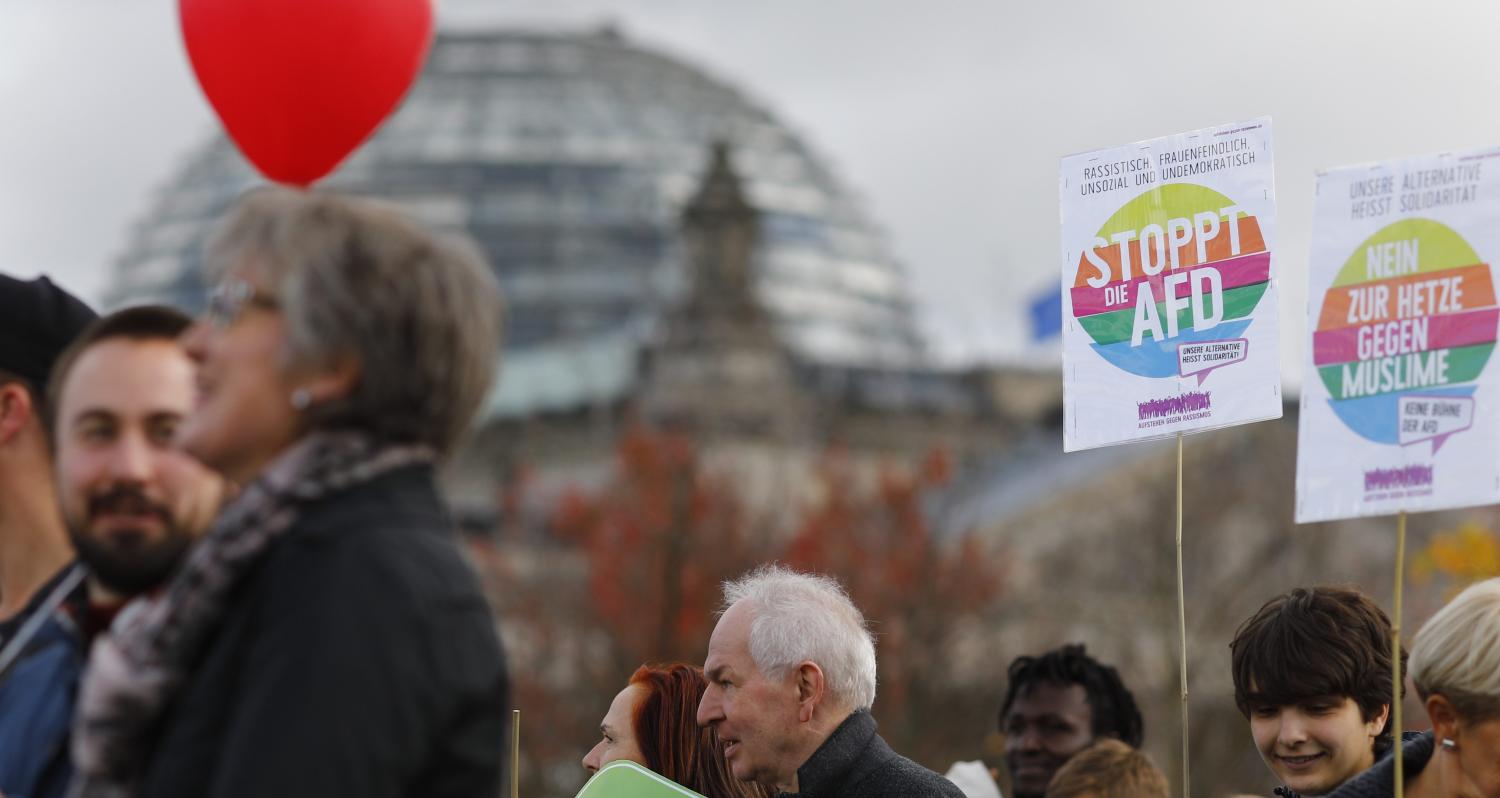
{"type": "Point", "coordinates": [36, 709]}
{"type": "Point", "coordinates": [1380, 780]}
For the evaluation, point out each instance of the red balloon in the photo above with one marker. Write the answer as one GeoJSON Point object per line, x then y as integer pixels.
{"type": "Point", "coordinates": [300, 83]}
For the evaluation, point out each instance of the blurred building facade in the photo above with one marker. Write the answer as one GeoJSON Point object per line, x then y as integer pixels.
{"type": "Point", "coordinates": [568, 158]}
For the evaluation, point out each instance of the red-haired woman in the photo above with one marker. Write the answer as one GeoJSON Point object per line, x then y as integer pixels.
{"type": "Point", "coordinates": [653, 722]}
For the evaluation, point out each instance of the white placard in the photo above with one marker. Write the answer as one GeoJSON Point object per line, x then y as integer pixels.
{"type": "Point", "coordinates": [1399, 394]}
{"type": "Point", "coordinates": [1168, 286]}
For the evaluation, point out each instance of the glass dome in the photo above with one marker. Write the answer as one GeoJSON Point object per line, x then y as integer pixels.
{"type": "Point", "coordinates": [568, 158]}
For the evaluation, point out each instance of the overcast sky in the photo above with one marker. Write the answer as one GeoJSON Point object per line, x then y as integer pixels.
{"type": "Point", "coordinates": [948, 117]}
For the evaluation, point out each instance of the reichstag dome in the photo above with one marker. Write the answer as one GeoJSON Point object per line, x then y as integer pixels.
{"type": "Point", "coordinates": [568, 157]}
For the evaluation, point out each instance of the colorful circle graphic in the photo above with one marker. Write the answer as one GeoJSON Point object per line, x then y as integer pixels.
{"type": "Point", "coordinates": [1178, 264]}
{"type": "Point", "coordinates": [1411, 313]}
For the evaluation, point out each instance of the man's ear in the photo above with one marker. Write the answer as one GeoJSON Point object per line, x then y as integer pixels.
{"type": "Point", "coordinates": [16, 409]}
{"type": "Point", "coordinates": [810, 689]}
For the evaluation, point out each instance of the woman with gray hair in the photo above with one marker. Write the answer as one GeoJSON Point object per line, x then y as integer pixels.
{"type": "Point", "coordinates": [1455, 665]}
{"type": "Point", "coordinates": [326, 637]}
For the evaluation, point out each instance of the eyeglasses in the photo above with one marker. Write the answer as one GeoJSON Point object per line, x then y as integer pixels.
{"type": "Point", "coordinates": [228, 301]}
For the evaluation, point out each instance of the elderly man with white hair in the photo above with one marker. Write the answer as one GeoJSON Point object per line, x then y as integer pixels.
{"type": "Point", "coordinates": [791, 677]}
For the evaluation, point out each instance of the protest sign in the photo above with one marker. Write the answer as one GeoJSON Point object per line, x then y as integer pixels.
{"type": "Point", "coordinates": [1399, 394]}
{"type": "Point", "coordinates": [625, 779]}
{"type": "Point", "coordinates": [1168, 286]}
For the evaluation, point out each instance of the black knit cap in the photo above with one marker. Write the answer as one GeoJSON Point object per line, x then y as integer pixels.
{"type": "Point", "coordinates": [37, 322]}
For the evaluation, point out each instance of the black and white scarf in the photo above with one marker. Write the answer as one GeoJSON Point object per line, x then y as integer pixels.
{"type": "Point", "coordinates": [136, 669]}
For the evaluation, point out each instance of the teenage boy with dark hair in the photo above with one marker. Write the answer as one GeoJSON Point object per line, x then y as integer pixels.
{"type": "Point", "coordinates": [1312, 673]}
{"type": "Point", "coordinates": [1058, 704]}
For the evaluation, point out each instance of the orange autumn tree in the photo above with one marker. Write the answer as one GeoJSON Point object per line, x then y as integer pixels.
{"type": "Point", "coordinates": [659, 539]}
{"type": "Point", "coordinates": [1461, 556]}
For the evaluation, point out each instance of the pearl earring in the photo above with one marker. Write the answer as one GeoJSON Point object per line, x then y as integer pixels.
{"type": "Point", "coordinates": [301, 399]}
{"type": "Point", "coordinates": [1449, 744]}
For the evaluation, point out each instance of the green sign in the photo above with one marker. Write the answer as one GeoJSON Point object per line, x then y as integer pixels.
{"type": "Point", "coordinates": [625, 779]}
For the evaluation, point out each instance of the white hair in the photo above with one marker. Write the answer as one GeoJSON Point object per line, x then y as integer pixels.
{"type": "Point", "coordinates": [1456, 654]}
{"type": "Point", "coordinates": [807, 617]}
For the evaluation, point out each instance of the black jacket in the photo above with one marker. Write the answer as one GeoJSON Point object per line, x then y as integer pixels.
{"type": "Point", "coordinates": [358, 658]}
{"type": "Point", "coordinates": [854, 762]}
{"type": "Point", "coordinates": [1380, 781]}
